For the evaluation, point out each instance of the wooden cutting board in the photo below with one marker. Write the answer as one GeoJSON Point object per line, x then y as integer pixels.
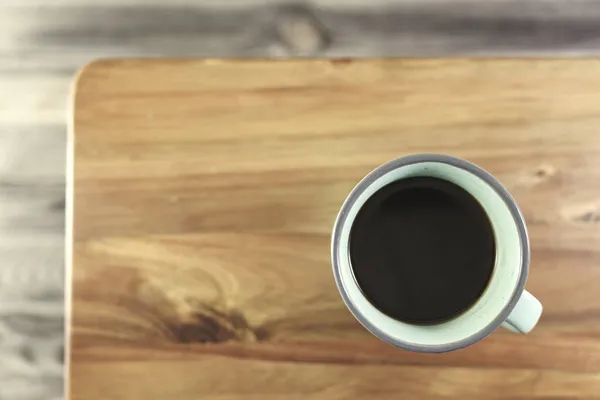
{"type": "Point", "coordinates": [204, 192]}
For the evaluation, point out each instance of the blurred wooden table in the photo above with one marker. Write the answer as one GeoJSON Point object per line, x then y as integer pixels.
{"type": "Point", "coordinates": [205, 191]}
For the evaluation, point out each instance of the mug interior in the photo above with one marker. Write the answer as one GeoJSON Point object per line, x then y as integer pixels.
{"type": "Point", "coordinates": [482, 316]}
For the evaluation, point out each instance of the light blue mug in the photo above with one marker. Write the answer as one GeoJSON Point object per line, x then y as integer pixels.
{"type": "Point", "coordinates": [504, 301]}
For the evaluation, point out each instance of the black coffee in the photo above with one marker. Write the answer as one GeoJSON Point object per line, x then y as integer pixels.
{"type": "Point", "coordinates": [422, 250]}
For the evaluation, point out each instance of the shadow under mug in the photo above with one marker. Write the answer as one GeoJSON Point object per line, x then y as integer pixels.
{"type": "Point", "coordinates": [504, 301]}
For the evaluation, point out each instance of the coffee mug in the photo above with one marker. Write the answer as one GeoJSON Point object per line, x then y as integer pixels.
{"type": "Point", "coordinates": [430, 253]}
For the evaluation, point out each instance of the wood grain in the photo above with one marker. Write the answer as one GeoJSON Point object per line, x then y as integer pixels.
{"type": "Point", "coordinates": [204, 195]}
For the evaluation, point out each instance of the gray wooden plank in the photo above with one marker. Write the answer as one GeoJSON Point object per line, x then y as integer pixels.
{"type": "Point", "coordinates": [229, 4]}
{"type": "Point", "coordinates": [31, 315]}
{"type": "Point", "coordinates": [32, 207]}
{"type": "Point", "coordinates": [32, 99]}
{"type": "Point", "coordinates": [30, 264]}
{"type": "Point", "coordinates": [463, 27]}
{"type": "Point", "coordinates": [33, 152]}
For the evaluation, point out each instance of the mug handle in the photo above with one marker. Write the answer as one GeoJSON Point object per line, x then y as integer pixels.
{"type": "Point", "coordinates": [525, 315]}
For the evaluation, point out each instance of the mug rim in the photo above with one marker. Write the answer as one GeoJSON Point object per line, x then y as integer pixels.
{"type": "Point", "coordinates": [464, 165]}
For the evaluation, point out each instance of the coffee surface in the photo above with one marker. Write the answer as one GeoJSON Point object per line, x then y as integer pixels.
{"type": "Point", "coordinates": [422, 250]}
